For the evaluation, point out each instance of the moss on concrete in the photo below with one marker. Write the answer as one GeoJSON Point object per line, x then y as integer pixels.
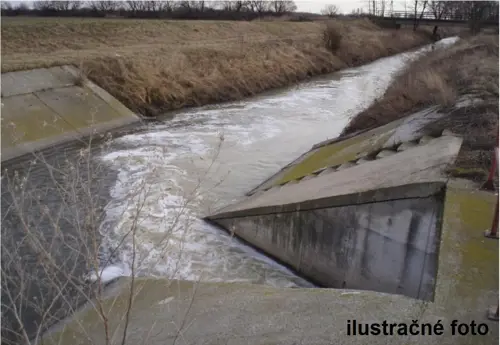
{"type": "Point", "coordinates": [341, 152]}
{"type": "Point", "coordinates": [476, 174]}
{"type": "Point", "coordinates": [468, 269]}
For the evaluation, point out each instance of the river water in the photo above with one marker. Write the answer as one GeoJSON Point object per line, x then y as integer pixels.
{"type": "Point", "coordinates": [180, 169]}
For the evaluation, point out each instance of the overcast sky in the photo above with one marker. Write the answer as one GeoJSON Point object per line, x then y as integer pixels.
{"type": "Point", "coordinates": [345, 6]}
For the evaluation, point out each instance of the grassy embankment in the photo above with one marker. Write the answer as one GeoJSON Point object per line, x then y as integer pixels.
{"type": "Point", "coordinates": [155, 65]}
{"type": "Point", "coordinates": [441, 77]}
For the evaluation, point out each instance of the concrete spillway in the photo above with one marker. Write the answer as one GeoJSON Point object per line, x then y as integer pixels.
{"type": "Point", "coordinates": [382, 228]}
{"type": "Point", "coordinates": [361, 213]}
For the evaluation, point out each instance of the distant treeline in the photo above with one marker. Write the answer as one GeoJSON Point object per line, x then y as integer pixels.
{"type": "Point", "coordinates": [224, 10]}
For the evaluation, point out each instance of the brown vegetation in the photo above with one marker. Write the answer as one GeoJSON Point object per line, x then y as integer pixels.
{"type": "Point", "coordinates": [153, 66]}
{"type": "Point", "coordinates": [469, 68]}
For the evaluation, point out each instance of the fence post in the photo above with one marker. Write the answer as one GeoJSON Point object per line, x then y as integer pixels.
{"type": "Point", "coordinates": [493, 231]}
{"type": "Point", "coordinates": [490, 185]}
{"type": "Point", "coordinates": [493, 313]}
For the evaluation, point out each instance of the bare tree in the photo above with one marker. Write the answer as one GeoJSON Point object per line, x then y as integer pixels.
{"type": "Point", "coordinates": [150, 6]}
{"type": "Point", "coordinates": [330, 10]}
{"type": "Point", "coordinates": [43, 5]}
{"type": "Point", "coordinates": [236, 6]}
{"type": "Point", "coordinates": [47, 249]}
{"type": "Point", "coordinates": [68, 5]}
{"type": "Point", "coordinates": [104, 6]}
{"type": "Point", "coordinates": [6, 5]}
{"type": "Point", "coordinates": [135, 6]}
{"type": "Point", "coordinates": [259, 6]}
{"type": "Point", "coordinates": [418, 6]}
{"type": "Point", "coordinates": [475, 12]}
{"type": "Point", "coordinates": [193, 6]}
{"type": "Point", "coordinates": [282, 6]}
{"type": "Point", "coordinates": [440, 9]}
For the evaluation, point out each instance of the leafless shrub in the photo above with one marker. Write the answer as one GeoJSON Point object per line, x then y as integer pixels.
{"type": "Point", "coordinates": [332, 37]}
{"type": "Point", "coordinates": [52, 249]}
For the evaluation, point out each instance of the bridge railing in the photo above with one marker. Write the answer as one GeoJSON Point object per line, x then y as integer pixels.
{"type": "Point", "coordinates": [431, 16]}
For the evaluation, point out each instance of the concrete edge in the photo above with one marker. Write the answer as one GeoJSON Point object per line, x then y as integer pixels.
{"type": "Point", "coordinates": [414, 190]}
{"type": "Point", "coordinates": [276, 174]}
{"type": "Point", "coordinates": [340, 138]}
{"type": "Point", "coordinates": [22, 151]}
{"type": "Point", "coordinates": [103, 94]}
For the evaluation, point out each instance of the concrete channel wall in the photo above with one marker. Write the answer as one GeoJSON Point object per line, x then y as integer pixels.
{"type": "Point", "coordinates": [51, 106]}
{"type": "Point", "coordinates": [387, 246]}
{"type": "Point", "coordinates": [240, 314]}
{"type": "Point", "coordinates": [360, 213]}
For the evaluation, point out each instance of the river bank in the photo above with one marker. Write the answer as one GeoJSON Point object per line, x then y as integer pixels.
{"type": "Point", "coordinates": [444, 77]}
{"type": "Point", "coordinates": [169, 158]}
{"type": "Point", "coordinates": [154, 66]}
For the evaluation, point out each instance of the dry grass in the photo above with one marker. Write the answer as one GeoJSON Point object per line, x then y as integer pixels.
{"type": "Point", "coordinates": [154, 65]}
{"type": "Point", "coordinates": [470, 67]}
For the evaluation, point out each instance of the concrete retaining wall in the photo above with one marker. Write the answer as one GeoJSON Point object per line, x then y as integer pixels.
{"type": "Point", "coordinates": [50, 106]}
{"type": "Point", "coordinates": [388, 246]}
{"type": "Point", "coordinates": [360, 213]}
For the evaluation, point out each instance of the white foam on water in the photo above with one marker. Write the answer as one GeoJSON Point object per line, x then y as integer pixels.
{"type": "Point", "coordinates": [157, 198]}
{"type": "Point", "coordinates": [163, 186]}
{"type": "Point", "coordinates": [107, 274]}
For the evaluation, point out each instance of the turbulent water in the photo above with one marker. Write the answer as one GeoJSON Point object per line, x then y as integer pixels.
{"type": "Point", "coordinates": [178, 170]}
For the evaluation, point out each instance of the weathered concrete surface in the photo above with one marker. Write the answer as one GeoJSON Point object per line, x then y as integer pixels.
{"type": "Point", "coordinates": [421, 164]}
{"type": "Point", "coordinates": [351, 148]}
{"type": "Point", "coordinates": [387, 246]}
{"type": "Point", "coordinates": [170, 312]}
{"type": "Point", "coordinates": [369, 222]}
{"type": "Point", "coordinates": [45, 107]}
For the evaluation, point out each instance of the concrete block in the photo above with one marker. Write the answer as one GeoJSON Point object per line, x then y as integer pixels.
{"type": "Point", "coordinates": [385, 153]}
{"type": "Point", "coordinates": [308, 177]}
{"type": "Point", "coordinates": [328, 170]}
{"type": "Point", "coordinates": [346, 166]}
{"type": "Point", "coordinates": [364, 160]}
{"type": "Point", "coordinates": [425, 139]}
{"type": "Point", "coordinates": [406, 146]}
{"type": "Point", "coordinates": [447, 132]}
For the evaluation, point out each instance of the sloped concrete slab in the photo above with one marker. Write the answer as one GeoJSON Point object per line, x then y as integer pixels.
{"type": "Point", "coordinates": [25, 82]}
{"type": "Point", "coordinates": [79, 106]}
{"type": "Point", "coordinates": [26, 118]}
{"type": "Point", "coordinates": [422, 164]}
{"type": "Point", "coordinates": [338, 151]}
{"type": "Point", "coordinates": [44, 107]}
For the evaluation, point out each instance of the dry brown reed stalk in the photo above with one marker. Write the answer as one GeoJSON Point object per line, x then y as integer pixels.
{"type": "Point", "coordinates": [156, 66]}
{"type": "Point", "coordinates": [441, 77]}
